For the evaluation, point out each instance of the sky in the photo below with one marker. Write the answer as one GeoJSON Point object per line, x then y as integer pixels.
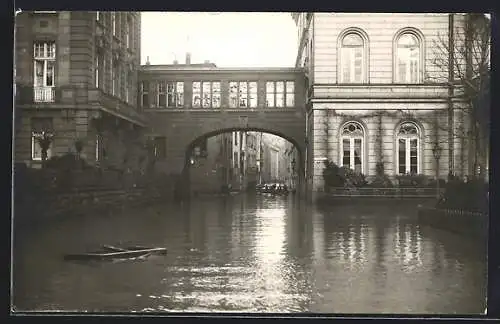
{"type": "Point", "coordinates": [227, 39]}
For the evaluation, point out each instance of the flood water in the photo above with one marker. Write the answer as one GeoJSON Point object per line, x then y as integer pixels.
{"type": "Point", "coordinates": [252, 254]}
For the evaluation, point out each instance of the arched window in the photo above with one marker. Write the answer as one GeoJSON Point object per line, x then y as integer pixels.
{"type": "Point", "coordinates": [351, 146]}
{"type": "Point", "coordinates": [408, 148]}
{"type": "Point", "coordinates": [408, 61]}
{"type": "Point", "coordinates": [352, 58]}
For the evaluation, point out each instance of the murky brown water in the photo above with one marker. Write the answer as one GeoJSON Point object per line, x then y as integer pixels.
{"type": "Point", "coordinates": [245, 254]}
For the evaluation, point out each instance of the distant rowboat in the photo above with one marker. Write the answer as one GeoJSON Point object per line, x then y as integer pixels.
{"type": "Point", "coordinates": [111, 252]}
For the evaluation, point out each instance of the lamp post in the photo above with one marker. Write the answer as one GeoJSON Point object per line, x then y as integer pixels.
{"type": "Point", "coordinates": [436, 151]}
{"type": "Point", "coordinates": [293, 172]}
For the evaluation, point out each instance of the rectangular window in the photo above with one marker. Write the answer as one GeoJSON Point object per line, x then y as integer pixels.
{"type": "Point", "coordinates": [243, 94]}
{"type": "Point", "coordinates": [253, 94]}
{"type": "Point", "coordinates": [207, 94]}
{"type": "Point", "coordinates": [175, 94]}
{"type": "Point", "coordinates": [196, 94]}
{"type": "Point", "coordinates": [216, 94]}
{"type": "Point", "coordinates": [179, 94]}
{"type": "Point", "coordinates": [270, 94]}
{"type": "Point", "coordinates": [408, 155]}
{"type": "Point", "coordinates": [145, 94]}
{"type": "Point", "coordinates": [127, 33]}
{"type": "Point", "coordinates": [290, 94]}
{"type": "Point", "coordinates": [159, 147]}
{"type": "Point", "coordinates": [97, 15]}
{"type": "Point", "coordinates": [402, 155]}
{"type": "Point", "coordinates": [41, 127]}
{"type": "Point", "coordinates": [44, 71]}
{"type": "Point", "coordinates": [114, 76]}
{"type": "Point", "coordinates": [97, 70]}
{"type": "Point", "coordinates": [236, 135]}
{"type": "Point", "coordinates": [352, 64]}
{"type": "Point", "coordinates": [346, 157]}
{"type": "Point", "coordinates": [113, 23]}
{"type": "Point", "coordinates": [352, 156]}
{"type": "Point", "coordinates": [280, 94]}
{"type": "Point", "coordinates": [161, 92]}
{"type": "Point", "coordinates": [357, 155]}
{"type": "Point", "coordinates": [233, 94]}
{"type": "Point", "coordinates": [413, 156]}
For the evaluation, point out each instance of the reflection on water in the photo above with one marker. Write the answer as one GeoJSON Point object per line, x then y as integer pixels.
{"type": "Point", "coordinates": [248, 254]}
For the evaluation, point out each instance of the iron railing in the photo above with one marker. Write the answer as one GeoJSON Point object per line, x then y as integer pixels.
{"type": "Point", "coordinates": [44, 94]}
{"type": "Point", "coordinates": [395, 192]}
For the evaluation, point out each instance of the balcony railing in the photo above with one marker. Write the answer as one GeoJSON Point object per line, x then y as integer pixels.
{"type": "Point", "coordinates": [44, 94]}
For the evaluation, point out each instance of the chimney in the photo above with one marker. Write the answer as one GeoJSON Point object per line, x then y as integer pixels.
{"type": "Point", "coordinates": [188, 58]}
{"type": "Point", "coordinates": [207, 62]}
{"type": "Point", "coordinates": [147, 60]}
{"type": "Point", "coordinates": [176, 62]}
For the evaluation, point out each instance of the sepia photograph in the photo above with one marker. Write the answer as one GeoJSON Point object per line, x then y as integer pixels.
{"type": "Point", "coordinates": [250, 163]}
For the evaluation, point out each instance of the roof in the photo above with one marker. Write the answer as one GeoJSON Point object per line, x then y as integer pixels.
{"type": "Point", "coordinates": [212, 67]}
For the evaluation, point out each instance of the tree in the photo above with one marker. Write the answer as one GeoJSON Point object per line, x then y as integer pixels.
{"type": "Point", "coordinates": [465, 55]}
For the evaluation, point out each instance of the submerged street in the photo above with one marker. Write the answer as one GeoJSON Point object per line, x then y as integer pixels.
{"type": "Point", "coordinates": [253, 254]}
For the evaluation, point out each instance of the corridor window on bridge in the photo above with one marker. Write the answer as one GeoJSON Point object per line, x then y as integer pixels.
{"type": "Point", "coordinates": [211, 94]}
{"type": "Point", "coordinates": [290, 93]}
{"type": "Point", "coordinates": [216, 94]}
{"type": "Point", "coordinates": [175, 94]}
{"type": "Point", "coordinates": [196, 94]}
{"type": "Point", "coordinates": [276, 96]}
{"type": "Point", "coordinates": [144, 94]}
{"type": "Point", "coordinates": [242, 94]}
{"type": "Point", "coordinates": [161, 93]}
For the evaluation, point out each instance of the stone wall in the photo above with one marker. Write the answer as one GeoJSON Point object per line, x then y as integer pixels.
{"type": "Point", "coordinates": [37, 209]}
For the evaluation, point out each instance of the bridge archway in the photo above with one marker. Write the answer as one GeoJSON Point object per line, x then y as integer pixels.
{"type": "Point", "coordinates": [298, 145]}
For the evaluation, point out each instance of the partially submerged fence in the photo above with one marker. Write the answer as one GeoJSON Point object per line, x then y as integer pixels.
{"type": "Point", "coordinates": [394, 192]}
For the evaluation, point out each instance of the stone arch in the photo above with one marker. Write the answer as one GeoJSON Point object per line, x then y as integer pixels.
{"type": "Point", "coordinates": [297, 143]}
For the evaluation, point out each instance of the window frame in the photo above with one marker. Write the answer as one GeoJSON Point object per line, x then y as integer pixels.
{"type": "Point", "coordinates": [408, 138]}
{"type": "Point", "coordinates": [274, 94]}
{"type": "Point", "coordinates": [250, 97]}
{"type": "Point", "coordinates": [199, 92]}
{"type": "Point", "coordinates": [352, 139]}
{"type": "Point", "coordinates": [365, 66]}
{"type": "Point", "coordinates": [160, 93]}
{"type": "Point", "coordinates": [421, 56]}
{"type": "Point", "coordinates": [37, 132]}
{"type": "Point", "coordinates": [145, 93]}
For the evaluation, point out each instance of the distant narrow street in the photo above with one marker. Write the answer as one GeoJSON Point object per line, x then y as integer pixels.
{"type": "Point", "coordinates": [253, 254]}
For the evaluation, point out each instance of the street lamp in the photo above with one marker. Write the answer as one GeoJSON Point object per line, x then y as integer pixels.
{"type": "Point", "coordinates": [436, 151]}
{"type": "Point", "coordinates": [293, 172]}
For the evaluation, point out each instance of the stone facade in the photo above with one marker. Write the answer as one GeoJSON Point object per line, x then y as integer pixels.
{"type": "Point", "coordinates": [370, 88]}
{"type": "Point", "coordinates": [64, 74]}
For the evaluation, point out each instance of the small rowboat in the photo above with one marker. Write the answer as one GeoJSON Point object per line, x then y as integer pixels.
{"type": "Point", "coordinates": [111, 252]}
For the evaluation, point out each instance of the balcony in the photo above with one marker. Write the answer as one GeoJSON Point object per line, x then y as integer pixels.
{"type": "Point", "coordinates": [44, 94]}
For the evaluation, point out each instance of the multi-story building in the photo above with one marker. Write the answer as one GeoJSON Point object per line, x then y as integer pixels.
{"type": "Point", "coordinates": [75, 77]}
{"type": "Point", "coordinates": [274, 158]}
{"type": "Point", "coordinates": [376, 95]}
